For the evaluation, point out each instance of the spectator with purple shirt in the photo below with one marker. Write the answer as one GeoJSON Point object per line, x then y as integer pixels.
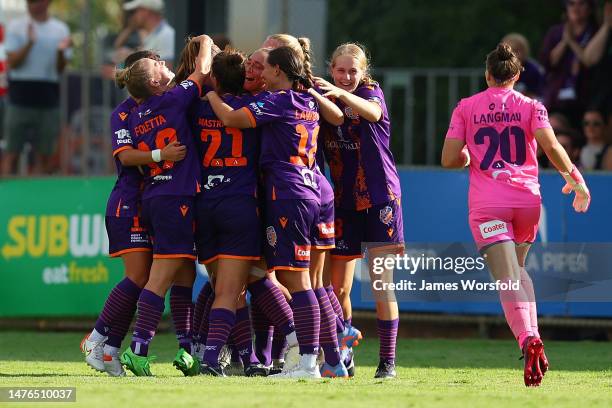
{"type": "Point", "coordinates": [562, 56]}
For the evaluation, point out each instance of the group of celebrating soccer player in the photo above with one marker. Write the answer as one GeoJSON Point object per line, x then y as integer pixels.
{"type": "Point", "coordinates": [220, 163]}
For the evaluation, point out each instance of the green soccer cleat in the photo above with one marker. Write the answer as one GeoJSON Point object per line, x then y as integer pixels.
{"type": "Point", "coordinates": [139, 365]}
{"type": "Point", "coordinates": [185, 363]}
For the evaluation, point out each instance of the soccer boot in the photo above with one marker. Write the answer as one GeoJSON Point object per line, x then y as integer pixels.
{"type": "Point", "coordinates": [94, 353]}
{"type": "Point", "coordinates": [140, 366]}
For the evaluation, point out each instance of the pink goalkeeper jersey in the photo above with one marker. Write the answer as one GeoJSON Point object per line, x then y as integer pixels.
{"type": "Point", "coordinates": [498, 127]}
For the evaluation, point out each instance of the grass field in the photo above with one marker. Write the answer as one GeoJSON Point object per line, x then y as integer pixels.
{"type": "Point", "coordinates": [432, 373]}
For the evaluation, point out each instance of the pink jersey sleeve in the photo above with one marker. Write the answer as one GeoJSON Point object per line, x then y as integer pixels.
{"type": "Point", "coordinates": [539, 117]}
{"type": "Point", "coordinates": [456, 128]}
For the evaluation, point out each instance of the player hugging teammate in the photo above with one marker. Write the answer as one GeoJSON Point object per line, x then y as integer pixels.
{"type": "Point", "coordinates": [229, 174]}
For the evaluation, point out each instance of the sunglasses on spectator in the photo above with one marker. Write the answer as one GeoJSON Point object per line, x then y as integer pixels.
{"type": "Point", "coordinates": [595, 123]}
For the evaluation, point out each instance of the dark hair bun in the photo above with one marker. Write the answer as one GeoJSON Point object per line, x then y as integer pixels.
{"type": "Point", "coordinates": [505, 52]}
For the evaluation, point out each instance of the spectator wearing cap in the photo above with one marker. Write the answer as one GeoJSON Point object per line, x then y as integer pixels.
{"type": "Point", "coordinates": [156, 34]}
{"type": "Point", "coordinates": [531, 80]}
{"type": "Point", "coordinates": [37, 48]}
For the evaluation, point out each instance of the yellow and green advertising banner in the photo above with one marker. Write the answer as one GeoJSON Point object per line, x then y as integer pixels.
{"type": "Point", "coordinates": [54, 248]}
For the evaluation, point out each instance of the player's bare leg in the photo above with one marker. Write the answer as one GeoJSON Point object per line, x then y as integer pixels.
{"type": "Point", "coordinates": [526, 283]}
{"type": "Point", "coordinates": [503, 264]}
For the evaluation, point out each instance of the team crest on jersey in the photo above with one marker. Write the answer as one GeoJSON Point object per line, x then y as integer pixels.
{"type": "Point", "coordinates": [123, 116]}
{"type": "Point", "coordinates": [186, 84]}
{"type": "Point", "coordinates": [386, 215]}
{"type": "Point", "coordinates": [271, 236]}
{"type": "Point", "coordinates": [311, 105]}
{"type": "Point", "coordinates": [348, 111]}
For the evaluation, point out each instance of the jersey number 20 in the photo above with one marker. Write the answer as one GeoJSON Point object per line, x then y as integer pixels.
{"type": "Point", "coordinates": [501, 141]}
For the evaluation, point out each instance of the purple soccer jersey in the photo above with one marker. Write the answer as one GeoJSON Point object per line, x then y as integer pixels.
{"type": "Point", "coordinates": [155, 123]}
{"type": "Point", "coordinates": [125, 196]}
{"type": "Point", "coordinates": [289, 143]}
{"type": "Point", "coordinates": [362, 166]}
{"type": "Point", "coordinates": [228, 156]}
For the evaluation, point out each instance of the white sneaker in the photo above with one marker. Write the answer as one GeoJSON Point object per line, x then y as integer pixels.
{"type": "Point", "coordinates": [292, 358]}
{"type": "Point", "coordinates": [198, 351]}
{"type": "Point", "coordinates": [94, 353]}
{"type": "Point", "coordinates": [225, 356]}
{"type": "Point", "coordinates": [307, 368]}
{"type": "Point", "coordinates": [113, 366]}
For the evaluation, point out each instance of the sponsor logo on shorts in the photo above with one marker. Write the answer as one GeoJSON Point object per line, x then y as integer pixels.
{"type": "Point", "coordinates": [302, 252]}
{"type": "Point", "coordinates": [123, 116]}
{"type": "Point", "coordinates": [283, 221]}
{"type": "Point", "coordinates": [386, 215]}
{"type": "Point", "coordinates": [184, 209]}
{"type": "Point", "coordinates": [341, 245]}
{"type": "Point", "coordinates": [326, 230]}
{"type": "Point", "coordinates": [161, 177]}
{"type": "Point", "coordinates": [271, 236]}
{"type": "Point", "coordinates": [492, 228]}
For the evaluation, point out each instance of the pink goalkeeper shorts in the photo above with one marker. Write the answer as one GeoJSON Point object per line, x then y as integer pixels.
{"type": "Point", "coordinates": [492, 225]}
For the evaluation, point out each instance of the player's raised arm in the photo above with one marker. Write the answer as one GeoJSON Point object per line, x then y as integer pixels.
{"type": "Point", "coordinates": [559, 158]}
{"type": "Point", "coordinates": [203, 60]}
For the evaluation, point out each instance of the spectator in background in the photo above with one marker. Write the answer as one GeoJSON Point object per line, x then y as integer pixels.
{"type": "Point", "coordinates": [563, 58]}
{"type": "Point", "coordinates": [593, 127]}
{"type": "Point", "coordinates": [38, 49]}
{"type": "Point", "coordinates": [559, 121]}
{"type": "Point", "coordinates": [598, 54]}
{"type": "Point", "coordinates": [155, 32]}
{"type": "Point", "coordinates": [531, 80]}
{"type": "Point", "coordinates": [570, 140]}
{"type": "Point", "coordinates": [567, 136]}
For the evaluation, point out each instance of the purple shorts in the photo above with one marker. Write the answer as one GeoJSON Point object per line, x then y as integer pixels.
{"type": "Point", "coordinates": [290, 228]}
{"type": "Point", "coordinates": [125, 234]}
{"type": "Point", "coordinates": [228, 227]}
{"type": "Point", "coordinates": [324, 238]}
{"type": "Point", "coordinates": [379, 226]}
{"type": "Point", "coordinates": [169, 220]}
{"type": "Point", "coordinates": [492, 225]}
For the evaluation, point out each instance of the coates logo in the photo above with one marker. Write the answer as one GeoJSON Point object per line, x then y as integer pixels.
{"type": "Point", "coordinates": [302, 252]}
{"type": "Point", "coordinates": [492, 228]}
{"type": "Point", "coordinates": [271, 236]}
{"type": "Point", "coordinates": [386, 215]}
{"type": "Point", "coordinates": [256, 106]}
{"type": "Point", "coordinates": [348, 111]}
{"type": "Point", "coordinates": [326, 230]}
{"type": "Point", "coordinates": [186, 84]}
{"type": "Point", "coordinates": [123, 116]}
